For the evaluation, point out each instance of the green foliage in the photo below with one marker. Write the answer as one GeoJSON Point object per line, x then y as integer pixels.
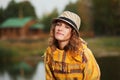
{"type": "Point", "coordinates": [22, 9]}
{"type": "Point", "coordinates": [1, 13]}
{"type": "Point", "coordinates": [72, 7]}
{"type": "Point", "coordinates": [106, 17]}
{"type": "Point", "coordinates": [26, 9]}
{"type": "Point", "coordinates": [106, 14]}
{"type": "Point", "coordinates": [79, 7]}
{"type": "Point", "coordinates": [11, 10]}
{"type": "Point", "coordinates": [104, 46]}
{"type": "Point", "coordinates": [47, 19]}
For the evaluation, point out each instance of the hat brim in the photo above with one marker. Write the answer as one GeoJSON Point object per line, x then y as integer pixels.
{"type": "Point", "coordinates": [59, 19]}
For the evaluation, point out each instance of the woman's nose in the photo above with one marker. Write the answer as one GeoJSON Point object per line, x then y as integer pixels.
{"type": "Point", "coordinates": [60, 27]}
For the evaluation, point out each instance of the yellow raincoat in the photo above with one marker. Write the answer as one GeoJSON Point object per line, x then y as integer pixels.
{"type": "Point", "coordinates": [60, 65]}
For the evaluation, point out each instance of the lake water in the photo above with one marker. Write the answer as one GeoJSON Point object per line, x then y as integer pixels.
{"type": "Point", "coordinates": [39, 74]}
{"type": "Point", "coordinates": [110, 70]}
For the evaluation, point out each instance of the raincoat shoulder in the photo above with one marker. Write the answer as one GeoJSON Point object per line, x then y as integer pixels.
{"type": "Point", "coordinates": [92, 70]}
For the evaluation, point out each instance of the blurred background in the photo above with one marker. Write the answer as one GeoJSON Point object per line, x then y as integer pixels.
{"type": "Point", "coordinates": [24, 33]}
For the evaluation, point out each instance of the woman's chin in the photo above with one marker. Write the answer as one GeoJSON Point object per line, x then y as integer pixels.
{"type": "Point", "coordinates": [59, 39]}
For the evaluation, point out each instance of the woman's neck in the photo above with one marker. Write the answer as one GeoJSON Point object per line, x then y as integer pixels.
{"type": "Point", "coordinates": [62, 44]}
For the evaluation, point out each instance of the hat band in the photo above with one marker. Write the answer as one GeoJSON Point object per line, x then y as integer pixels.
{"type": "Point", "coordinates": [67, 19]}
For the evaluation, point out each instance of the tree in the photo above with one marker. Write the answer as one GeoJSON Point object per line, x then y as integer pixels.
{"type": "Point", "coordinates": [11, 10]}
{"type": "Point", "coordinates": [72, 7]}
{"type": "Point", "coordinates": [84, 9]}
{"type": "Point", "coordinates": [107, 17]}
{"type": "Point", "coordinates": [47, 18]}
{"type": "Point", "coordinates": [23, 9]}
{"type": "Point", "coordinates": [26, 9]}
{"type": "Point", "coordinates": [1, 15]}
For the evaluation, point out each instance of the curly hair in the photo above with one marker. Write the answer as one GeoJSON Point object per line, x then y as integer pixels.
{"type": "Point", "coordinates": [74, 45]}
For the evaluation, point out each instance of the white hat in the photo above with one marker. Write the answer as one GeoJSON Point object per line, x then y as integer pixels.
{"type": "Point", "coordinates": [70, 18]}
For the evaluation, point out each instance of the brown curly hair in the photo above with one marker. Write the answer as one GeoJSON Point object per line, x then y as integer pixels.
{"type": "Point", "coordinates": [74, 45]}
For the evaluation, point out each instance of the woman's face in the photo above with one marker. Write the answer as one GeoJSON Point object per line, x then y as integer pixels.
{"type": "Point", "coordinates": [62, 31]}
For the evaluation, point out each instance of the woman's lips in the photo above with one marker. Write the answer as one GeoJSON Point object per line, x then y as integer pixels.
{"type": "Point", "coordinates": [59, 33]}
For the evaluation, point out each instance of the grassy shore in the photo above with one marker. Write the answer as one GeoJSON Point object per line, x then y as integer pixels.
{"type": "Point", "coordinates": [24, 47]}
{"type": "Point", "coordinates": [104, 46]}
{"type": "Point", "coordinates": [100, 46]}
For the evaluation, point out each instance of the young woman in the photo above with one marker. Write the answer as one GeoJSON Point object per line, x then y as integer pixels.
{"type": "Point", "coordinates": [68, 57]}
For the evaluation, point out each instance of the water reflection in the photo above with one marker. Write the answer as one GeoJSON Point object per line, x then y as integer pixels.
{"type": "Point", "coordinates": [5, 76]}
{"type": "Point", "coordinates": [38, 75]}
{"type": "Point", "coordinates": [40, 72]}
{"type": "Point", "coordinates": [110, 70]}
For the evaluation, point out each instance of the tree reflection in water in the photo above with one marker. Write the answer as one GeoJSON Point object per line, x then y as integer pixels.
{"type": "Point", "coordinates": [40, 72]}
{"type": "Point", "coordinates": [38, 75]}
{"type": "Point", "coordinates": [5, 76]}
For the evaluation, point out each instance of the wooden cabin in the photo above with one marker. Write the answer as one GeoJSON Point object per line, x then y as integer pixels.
{"type": "Point", "coordinates": [20, 28]}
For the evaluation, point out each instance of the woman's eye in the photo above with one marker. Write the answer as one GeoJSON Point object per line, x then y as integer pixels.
{"type": "Point", "coordinates": [57, 24]}
{"type": "Point", "coordinates": [67, 27]}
